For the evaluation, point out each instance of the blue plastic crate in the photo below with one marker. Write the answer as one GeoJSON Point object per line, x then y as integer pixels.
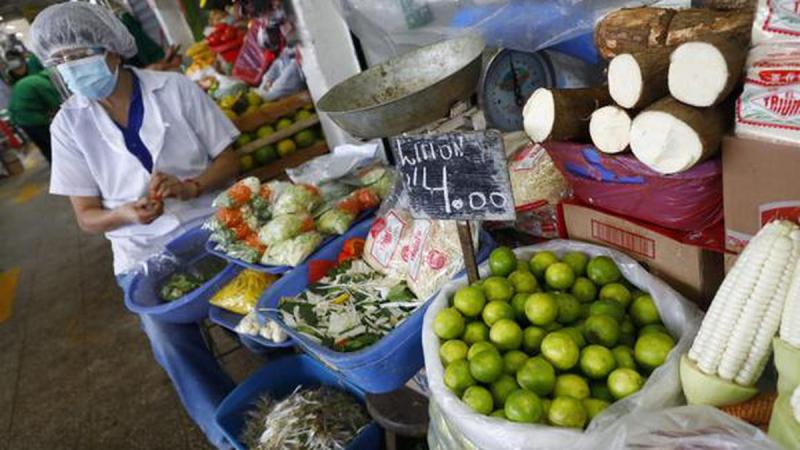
{"type": "Point", "coordinates": [279, 378]}
{"type": "Point", "coordinates": [211, 247]}
{"type": "Point", "coordinates": [385, 365]}
{"type": "Point", "coordinates": [229, 320]}
{"type": "Point", "coordinates": [142, 292]}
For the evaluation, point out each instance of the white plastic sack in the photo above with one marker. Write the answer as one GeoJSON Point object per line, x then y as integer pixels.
{"type": "Point", "coordinates": [662, 389]}
{"type": "Point", "coordinates": [684, 427]}
{"type": "Point", "coordinates": [776, 21]}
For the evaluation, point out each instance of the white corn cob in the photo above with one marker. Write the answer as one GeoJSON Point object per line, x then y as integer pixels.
{"type": "Point", "coordinates": [734, 340]}
{"type": "Point", "coordinates": [790, 321]}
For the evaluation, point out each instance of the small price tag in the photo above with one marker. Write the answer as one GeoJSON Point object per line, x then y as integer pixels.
{"type": "Point", "coordinates": [455, 176]}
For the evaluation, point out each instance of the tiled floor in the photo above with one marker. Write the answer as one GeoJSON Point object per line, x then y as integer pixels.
{"type": "Point", "coordinates": [76, 372]}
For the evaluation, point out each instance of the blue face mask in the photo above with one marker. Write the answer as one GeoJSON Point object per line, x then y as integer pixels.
{"type": "Point", "coordinates": [89, 77]}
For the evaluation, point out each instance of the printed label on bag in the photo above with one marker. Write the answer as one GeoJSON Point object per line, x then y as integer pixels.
{"type": "Point", "coordinates": [736, 241]}
{"type": "Point", "coordinates": [783, 17]}
{"type": "Point", "coordinates": [776, 107]}
{"type": "Point", "coordinates": [386, 233]}
{"type": "Point", "coordinates": [624, 239]}
{"type": "Point", "coordinates": [419, 236]}
{"type": "Point", "coordinates": [783, 210]}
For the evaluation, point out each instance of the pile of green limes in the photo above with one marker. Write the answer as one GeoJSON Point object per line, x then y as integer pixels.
{"type": "Point", "coordinates": [549, 341]}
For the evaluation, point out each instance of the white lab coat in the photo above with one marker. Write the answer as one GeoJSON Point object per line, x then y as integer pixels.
{"type": "Point", "coordinates": [183, 129]}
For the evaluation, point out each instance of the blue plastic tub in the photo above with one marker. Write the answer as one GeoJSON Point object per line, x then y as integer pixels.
{"type": "Point", "coordinates": [279, 378]}
{"type": "Point", "coordinates": [229, 320]}
{"type": "Point", "coordinates": [381, 367]}
{"type": "Point", "coordinates": [142, 293]}
{"type": "Point", "coordinates": [277, 270]}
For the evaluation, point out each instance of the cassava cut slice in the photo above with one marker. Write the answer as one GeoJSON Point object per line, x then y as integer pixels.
{"type": "Point", "coordinates": [693, 24]}
{"type": "Point", "coordinates": [632, 29]}
{"type": "Point", "coordinates": [671, 137]}
{"type": "Point", "coordinates": [636, 80]}
{"type": "Point", "coordinates": [610, 128]}
{"type": "Point", "coordinates": [703, 73]}
{"type": "Point", "coordinates": [562, 114]}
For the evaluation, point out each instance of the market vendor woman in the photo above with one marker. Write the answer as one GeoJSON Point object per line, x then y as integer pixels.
{"type": "Point", "coordinates": [139, 153]}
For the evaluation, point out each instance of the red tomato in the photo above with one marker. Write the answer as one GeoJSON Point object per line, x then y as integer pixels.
{"type": "Point", "coordinates": [318, 268]}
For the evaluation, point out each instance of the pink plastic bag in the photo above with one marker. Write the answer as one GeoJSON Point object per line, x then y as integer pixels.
{"type": "Point", "coordinates": [687, 201]}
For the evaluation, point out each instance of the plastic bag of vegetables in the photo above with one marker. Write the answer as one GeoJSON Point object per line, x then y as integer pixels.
{"type": "Point", "coordinates": [293, 251]}
{"type": "Point", "coordinates": [239, 194]}
{"type": "Point", "coordinates": [297, 198]}
{"type": "Point", "coordinates": [241, 294]}
{"type": "Point", "coordinates": [285, 227]}
{"type": "Point", "coordinates": [662, 388]}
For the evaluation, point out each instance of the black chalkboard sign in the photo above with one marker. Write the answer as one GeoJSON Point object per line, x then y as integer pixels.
{"type": "Point", "coordinates": [455, 176]}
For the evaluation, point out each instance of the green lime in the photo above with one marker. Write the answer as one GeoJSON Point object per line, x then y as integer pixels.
{"type": "Point", "coordinates": [513, 360]}
{"type": "Point", "coordinates": [518, 303]}
{"type": "Point", "coordinates": [499, 413]}
{"type": "Point", "coordinates": [479, 347]}
{"type": "Point", "coordinates": [553, 326]}
{"type": "Point", "coordinates": [502, 261]}
{"type": "Point", "coordinates": [616, 292]}
{"type": "Point", "coordinates": [567, 412]}
{"type": "Point", "coordinates": [532, 339]}
{"type": "Point", "coordinates": [486, 367]}
{"type": "Point", "coordinates": [457, 376]}
{"type": "Point", "coordinates": [623, 382]}
{"type": "Point", "coordinates": [498, 289]}
{"type": "Point", "coordinates": [569, 308]}
{"type": "Point", "coordinates": [505, 334]}
{"type": "Point", "coordinates": [586, 310]}
{"type": "Point", "coordinates": [523, 406]}
{"type": "Point", "coordinates": [304, 138]}
{"type": "Point", "coordinates": [286, 147]}
{"type": "Point", "coordinates": [243, 140]}
{"type": "Point", "coordinates": [469, 301]}
{"type": "Point", "coordinates": [559, 276]}
{"type": "Point", "coordinates": [602, 270]}
{"type": "Point", "coordinates": [602, 329]}
{"type": "Point", "coordinates": [541, 308]}
{"type": "Point", "coordinates": [479, 399]}
{"type": "Point", "coordinates": [584, 290]}
{"type": "Point", "coordinates": [644, 311]}
{"type": "Point", "coordinates": [576, 335]}
{"type": "Point", "coordinates": [246, 163]}
{"type": "Point", "coordinates": [594, 406]}
{"type": "Point", "coordinates": [453, 351]}
{"type": "Point", "coordinates": [283, 124]}
{"type": "Point", "coordinates": [495, 311]}
{"type": "Point", "coordinates": [609, 308]}
{"type": "Point", "coordinates": [523, 265]}
{"type": "Point", "coordinates": [577, 261]}
{"type": "Point", "coordinates": [571, 385]}
{"type": "Point", "coordinates": [265, 155]}
{"type": "Point", "coordinates": [523, 282]}
{"type": "Point", "coordinates": [264, 131]}
{"type": "Point", "coordinates": [652, 349]}
{"type": "Point", "coordinates": [653, 328]}
{"type": "Point", "coordinates": [597, 362]}
{"type": "Point", "coordinates": [546, 403]}
{"type": "Point", "coordinates": [302, 115]}
{"type": "Point", "coordinates": [475, 332]}
{"type": "Point", "coordinates": [624, 356]}
{"type": "Point", "coordinates": [626, 328]}
{"type": "Point", "coordinates": [501, 388]}
{"type": "Point", "coordinates": [537, 375]}
{"type": "Point", "coordinates": [448, 324]}
{"type": "Point", "coordinates": [540, 262]}
{"type": "Point", "coordinates": [560, 350]}
{"type": "Point", "coordinates": [599, 390]}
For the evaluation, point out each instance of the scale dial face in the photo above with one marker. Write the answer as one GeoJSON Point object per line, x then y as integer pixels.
{"type": "Point", "coordinates": [510, 78]}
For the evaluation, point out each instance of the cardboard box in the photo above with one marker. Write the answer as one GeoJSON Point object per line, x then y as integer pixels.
{"type": "Point", "coordinates": [760, 182]}
{"type": "Point", "coordinates": [693, 271]}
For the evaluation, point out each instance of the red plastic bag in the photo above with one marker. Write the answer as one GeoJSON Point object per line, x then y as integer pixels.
{"type": "Point", "coordinates": [687, 201]}
{"type": "Point", "coordinates": [253, 60]}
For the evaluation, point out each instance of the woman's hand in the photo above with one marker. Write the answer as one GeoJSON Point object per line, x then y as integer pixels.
{"type": "Point", "coordinates": [143, 211]}
{"type": "Point", "coordinates": [163, 185]}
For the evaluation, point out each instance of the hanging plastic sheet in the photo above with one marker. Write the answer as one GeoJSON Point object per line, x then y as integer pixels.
{"type": "Point", "coordinates": [389, 28]}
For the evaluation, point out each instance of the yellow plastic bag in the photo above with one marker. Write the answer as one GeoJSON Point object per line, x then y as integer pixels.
{"type": "Point", "coordinates": [242, 293]}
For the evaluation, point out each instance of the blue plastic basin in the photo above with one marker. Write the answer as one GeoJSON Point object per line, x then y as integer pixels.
{"type": "Point", "coordinates": [383, 366]}
{"type": "Point", "coordinates": [279, 378]}
{"type": "Point", "coordinates": [142, 293]}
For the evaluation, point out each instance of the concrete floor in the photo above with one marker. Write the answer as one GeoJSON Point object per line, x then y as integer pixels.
{"type": "Point", "coordinates": [76, 372]}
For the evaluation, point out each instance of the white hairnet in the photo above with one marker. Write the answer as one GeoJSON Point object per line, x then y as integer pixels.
{"type": "Point", "coordinates": [74, 25]}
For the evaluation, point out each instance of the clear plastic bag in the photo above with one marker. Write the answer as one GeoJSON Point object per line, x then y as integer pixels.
{"type": "Point", "coordinates": [662, 389]}
{"type": "Point", "coordinates": [241, 294]}
{"type": "Point", "coordinates": [389, 28]}
{"type": "Point", "coordinates": [684, 427]}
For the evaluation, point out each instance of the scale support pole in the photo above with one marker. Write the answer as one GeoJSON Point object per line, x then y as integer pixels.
{"type": "Point", "coordinates": [465, 236]}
